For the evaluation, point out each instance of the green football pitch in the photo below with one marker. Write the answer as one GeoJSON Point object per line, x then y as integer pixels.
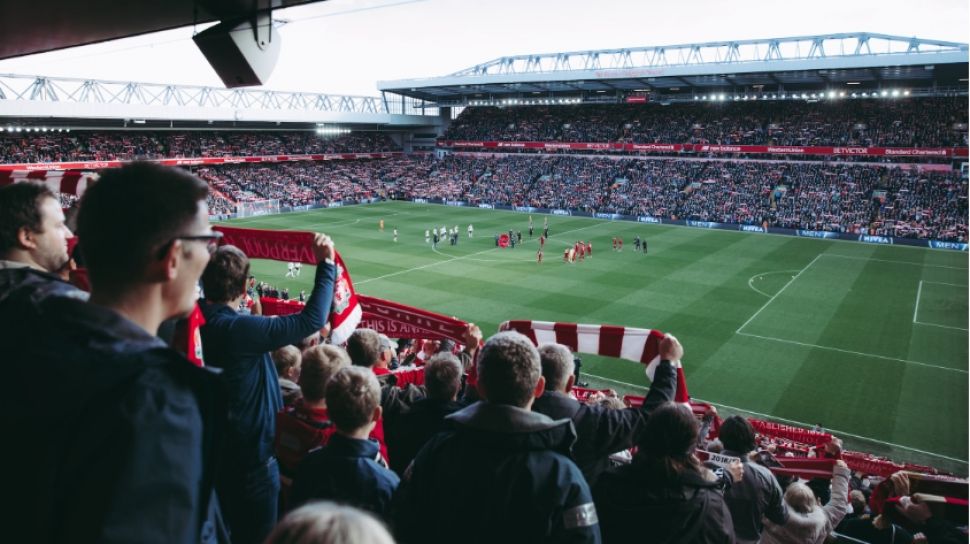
{"type": "Point", "coordinates": [868, 341]}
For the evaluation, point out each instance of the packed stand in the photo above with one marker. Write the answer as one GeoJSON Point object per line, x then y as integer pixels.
{"type": "Point", "coordinates": [134, 145]}
{"type": "Point", "coordinates": [924, 122]}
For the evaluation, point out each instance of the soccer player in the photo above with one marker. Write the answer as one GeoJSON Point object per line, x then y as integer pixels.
{"type": "Point", "coordinates": [395, 235]}
{"type": "Point", "coordinates": [518, 235]}
{"type": "Point", "coordinates": [565, 255]}
{"type": "Point", "coordinates": [471, 230]}
{"type": "Point", "coordinates": [539, 256]}
{"type": "Point", "coordinates": [542, 241]}
{"type": "Point", "coordinates": [636, 243]}
{"type": "Point", "coordinates": [644, 246]}
{"type": "Point", "coordinates": [434, 244]}
{"type": "Point", "coordinates": [297, 267]}
{"type": "Point", "coordinates": [427, 236]}
{"type": "Point", "coordinates": [619, 242]}
{"type": "Point", "coordinates": [614, 243]}
{"type": "Point", "coordinates": [589, 248]}
{"type": "Point", "coordinates": [290, 270]}
{"type": "Point", "coordinates": [381, 225]}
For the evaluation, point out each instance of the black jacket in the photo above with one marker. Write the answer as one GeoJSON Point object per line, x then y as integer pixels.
{"type": "Point", "coordinates": [633, 506]}
{"type": "Point", "coordinates": [501, 475]}
{"type": "Point", "coordinates": [603, 431]}
{"type": "Point", "coordinates": [116, 434]}
{"type": "Point", "coordinates": [407, 433]}
{"type": "Point", "coordinates": [756, 496]}
{"type": "Point", "coordinates": [22, 284]}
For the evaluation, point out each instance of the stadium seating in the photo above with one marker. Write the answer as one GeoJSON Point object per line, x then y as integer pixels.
{"type": "Point", "coordinates": [924, 122]}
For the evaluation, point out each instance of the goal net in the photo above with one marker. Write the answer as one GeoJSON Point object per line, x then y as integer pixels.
{"type": "Point", "coordinates": [257, 207]}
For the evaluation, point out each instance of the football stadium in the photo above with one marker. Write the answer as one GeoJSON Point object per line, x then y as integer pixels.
{"type": "Point", "coordinates": [708, 291]}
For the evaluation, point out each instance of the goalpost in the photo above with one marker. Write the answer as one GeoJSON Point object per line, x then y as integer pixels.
{"type": "Point", "coordinates": [257, 207]}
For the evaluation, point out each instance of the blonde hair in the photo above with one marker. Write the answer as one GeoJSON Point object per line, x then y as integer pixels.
{"type": "Point", "coordinates": [800, 498]}
{"type": "Point", "coordinates": [329, 523]}
{"type": "Point", "coordinates": [320, 363]}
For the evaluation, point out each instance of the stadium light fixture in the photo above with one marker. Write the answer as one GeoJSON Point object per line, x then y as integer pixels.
{"type": "Point", "coordinates": [852, 83]}
{"type": "Point", "coordinates": [831, 94]}
{"type": "Point", "coordinates": [841, 94]}
{"type": "Point", "coordinates": [884, 93]}
{"type": "Point", "coordinates": [853, 95]}
{"type": "Point", "coordinates": [906, 93]}
{"type": "Point", "coordinates": [895, 93]}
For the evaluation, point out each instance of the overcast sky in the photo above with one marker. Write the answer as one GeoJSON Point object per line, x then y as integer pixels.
{"type": "Point", "coordinates": [346, 46]}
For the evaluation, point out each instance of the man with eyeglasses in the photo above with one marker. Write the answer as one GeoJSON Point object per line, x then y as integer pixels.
{"type": "Point", "coordinates": [240, 345]}
{"type": "Point", "coordinates": [121, 446]}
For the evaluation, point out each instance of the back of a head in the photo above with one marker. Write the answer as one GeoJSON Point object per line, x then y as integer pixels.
{"type": "Point", "coordinates": [285, 358]}
{"type": "Point", "coordinates": [129, 215]}
{"type": "Point", "coordinates": [557, 366]}
{"type": "Point", "coordinates": [224, 278]}
{"type": "Point", "coordinates": [737, 435]}
{"type": "Point", "coordinates": [320, 363]}
{"type": "Point", "coordinates": [329, 523]}
{"type": "Point", "coordinates": [364, 347]}
{"type": "Point", "coordinates": [800, 498]}
{"type": "Point", "coordinates": [509, 369]}
{"type": "Point", "coordinates": [20, 207]}
{"type": "Point", "coordinates": [668, 440]}
{"type": "Point", "coordinates": [442, 376]}
{"type": "Point", "coordinates": [353, 394]}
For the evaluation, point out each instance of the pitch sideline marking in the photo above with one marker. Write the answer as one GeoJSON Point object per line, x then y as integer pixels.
{"type": "Point", "coordinates": [919, 291]}
{"type": "Point", "coordinates": [860, 353]}
{"type": "Point", "coordinates": [894, 261]}
{"type": "Point", "coordinates": [802, 423]}
{"type": "Point", "coordinates": [780, 291]}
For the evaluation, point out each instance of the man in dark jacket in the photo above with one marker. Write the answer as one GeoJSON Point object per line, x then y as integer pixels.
{"type": "Point", "coordinates": [600, 431]}
{"type": "Point", "coordinates": [758, 494]}
{"type": "Point", "coordinates": [240, 345]}
{"type": "Point", "coordinates": [33, 247]}
{"type": "Point", "coordinates": [503, 473]}
{"type": "Point", "coordinates": [127, 452]}
{"type": "Point", "coordinates": [408, 433]}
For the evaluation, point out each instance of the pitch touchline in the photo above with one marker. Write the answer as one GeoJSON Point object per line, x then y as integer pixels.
{"type": "Point", "coordinates": [893, 261]}
{"type": "Point", "coordinates": [780, 291]}
{"type": "Point", "coordinates": [802, 423]}
{"type": "Point", "coordinates": [429, 265]}
{"type": "Point", "coordinates": [873, 355]}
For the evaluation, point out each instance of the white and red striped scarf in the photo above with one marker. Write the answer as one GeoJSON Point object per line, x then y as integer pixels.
{"type": "Point", "coordinates": [632, 344]}
{"type": "Point", "coordinates": [71, 182]}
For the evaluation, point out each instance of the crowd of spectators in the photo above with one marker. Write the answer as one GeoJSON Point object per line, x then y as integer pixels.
{"type": "Point", "coordinates": [82, 145]}
{"type": "Point", "coordinates": [836, 197]}
{"type": "Point", "coordinates": [923, 122]}
{"type": "Point", "coordinates": [489, 445]}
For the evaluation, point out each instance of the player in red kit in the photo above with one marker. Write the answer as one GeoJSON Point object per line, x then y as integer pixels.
{"type": "Point", "coordinates": [565, 255]}
{"type": "Point", "coordinates": [619, 244]}
{"type": "Point", "coordinates": [589, 248]}
{"type": "Point", "coordinates": [542, 241]}
{"type": "Point", "coordinates": [614, 243]}
{"type": "Point", "coordinates": [539, 256]}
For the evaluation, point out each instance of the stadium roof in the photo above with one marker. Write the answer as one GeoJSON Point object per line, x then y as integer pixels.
{"type": "Point", "coordinates": [38, 26]}
{"type": "Point", "coordinates": [774, 64]}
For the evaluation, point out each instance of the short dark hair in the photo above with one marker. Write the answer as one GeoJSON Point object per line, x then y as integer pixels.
{"type": "Point", "coordinates": [557, 365]}
{"type": "Point", "coordinates": [20, 208]}
{"type": "Point", "coordinates": [364, 347]}
{"type": "Point", "coordinates": [130, 214]}
{"type": "Point", "coordinates": [352, 396]}
{"type": "Point", "coordinates": [442, 376]}
{"type": "Point", "coordinates": [737, 434]}
{"type": "Point", "coordinates": [224, 277]}
{"type": "Point", "coordinates": [508, 369]}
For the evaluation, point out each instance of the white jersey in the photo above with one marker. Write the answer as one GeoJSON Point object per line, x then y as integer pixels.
{"type": "Point", "coordinates": [427, 234]}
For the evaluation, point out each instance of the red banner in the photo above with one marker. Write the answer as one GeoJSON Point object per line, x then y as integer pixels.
{"type": "Point", "coordinates": [199, 161]}
{"type": "Point", "coordinates": [719, 149]}
{"type": "Point", "coordinates": [398, 320]}
{"type": "Point", "coordinates": [384, 316]}
{"type": "Point", "coordinates": [278, 245]}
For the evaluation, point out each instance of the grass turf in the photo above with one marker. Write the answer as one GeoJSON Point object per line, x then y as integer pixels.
{"type": "Point", "coordinates": [869, 341]}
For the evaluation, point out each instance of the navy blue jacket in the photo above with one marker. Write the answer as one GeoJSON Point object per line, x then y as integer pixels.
{"type": "Point", "coordinates": [115, 436]}
{"type": "Point", "coordinates": [345, 471]}
{"type": "Point", "coordinates": [407, 433]}
{"type": "Point", "coordinates": [503, 474]}
{"type": "Point", "coordinates": [603, 431]}
{"type": "Point", "coordinates": [240, 346]}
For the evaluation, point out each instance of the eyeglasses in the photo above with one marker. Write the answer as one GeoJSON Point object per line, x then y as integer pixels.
{"type": "Point", "coordinates": [211, 242]}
